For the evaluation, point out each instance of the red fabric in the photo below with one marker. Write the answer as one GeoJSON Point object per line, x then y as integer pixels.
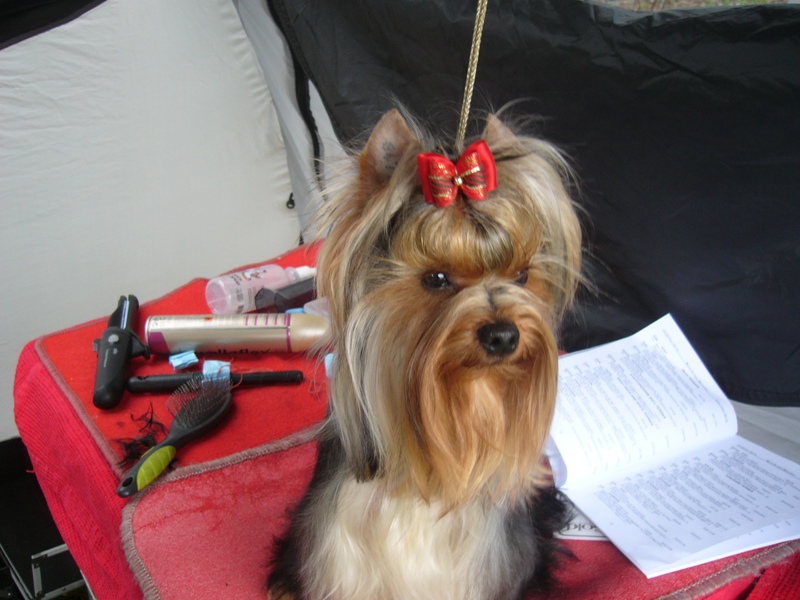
{"type": "Point", "coordinates": [204, 530]}
{"type": "Point", "coordinates": [474, 174]}
{"type": "Point", "coordinates": [601, 572]}
{"type": "Point", "coordinates": [737, 590]}
{"type": "Point", "coordinates": [780, 581]}
{"type": "Point", "coordinates": [75, 476]}
{"type": "Point", "coordinates": [225, 516]}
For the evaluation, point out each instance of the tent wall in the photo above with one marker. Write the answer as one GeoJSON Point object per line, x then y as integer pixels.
{"type": "Point", "coordinates": [139, 148]}
{"type": "Point", "coordinates": [682, 126]}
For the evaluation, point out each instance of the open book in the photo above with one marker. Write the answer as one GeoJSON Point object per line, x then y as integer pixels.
{"type": "Point", "coordinates": [644, 443]}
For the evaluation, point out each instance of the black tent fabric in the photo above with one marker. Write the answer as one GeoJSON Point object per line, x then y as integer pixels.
{"type": "Point", "coordinates": [21, 19]}
{"type": "Point", "coordinates": [683, 127]}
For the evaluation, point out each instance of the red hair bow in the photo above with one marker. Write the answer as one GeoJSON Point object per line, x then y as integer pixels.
{"type": "Point", "coordinates": [474, 174]}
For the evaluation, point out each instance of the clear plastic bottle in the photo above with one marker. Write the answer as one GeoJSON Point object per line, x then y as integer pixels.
{"type": "Point", "coordinates": [235, 293]}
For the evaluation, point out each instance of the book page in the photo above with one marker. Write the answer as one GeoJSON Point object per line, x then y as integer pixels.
{"type": "Point", "coordinates": [634, 399]}
{"type": "Point", "coordinates": [660, 517]}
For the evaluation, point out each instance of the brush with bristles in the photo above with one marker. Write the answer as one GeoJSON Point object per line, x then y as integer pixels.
{"type": "Point", "coordinates": [197, 406]}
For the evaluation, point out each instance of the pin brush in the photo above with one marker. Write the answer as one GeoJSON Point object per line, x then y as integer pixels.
{"type": "Point", "coordinates": [197, 407]}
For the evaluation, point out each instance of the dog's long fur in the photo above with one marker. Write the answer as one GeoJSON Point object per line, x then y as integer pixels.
{"type": "Point", "coordinates": [430, 481]}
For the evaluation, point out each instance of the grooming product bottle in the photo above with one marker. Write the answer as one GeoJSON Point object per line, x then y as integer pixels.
{"type": "Point", "coordinates": [235, 293]}
{"type": "Point", "coordinates": [273, 332]}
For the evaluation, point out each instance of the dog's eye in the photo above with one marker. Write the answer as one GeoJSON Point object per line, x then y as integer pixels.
{"type": "Point", "coordinates": [522, 277]}
{"type": "Point", "coordinates": [436, 280]}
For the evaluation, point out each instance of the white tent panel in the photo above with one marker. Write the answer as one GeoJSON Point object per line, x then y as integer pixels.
{"type": "Point", "coordinates": [139, 148]}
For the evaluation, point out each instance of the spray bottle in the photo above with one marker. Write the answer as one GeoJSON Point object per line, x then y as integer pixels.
{"type": "Point", "coordinates": [235, 293]}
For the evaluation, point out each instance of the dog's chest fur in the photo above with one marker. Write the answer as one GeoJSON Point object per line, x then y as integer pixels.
{"type": "Point", "coordinates": [380, 546]}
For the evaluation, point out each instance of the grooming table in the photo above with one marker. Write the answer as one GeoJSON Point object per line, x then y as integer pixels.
{"type": "Point", "coordinates": [205, 528]}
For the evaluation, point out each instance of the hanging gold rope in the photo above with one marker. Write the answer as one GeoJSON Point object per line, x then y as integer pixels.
{"type": "Point", "coordinates": [473, 68]}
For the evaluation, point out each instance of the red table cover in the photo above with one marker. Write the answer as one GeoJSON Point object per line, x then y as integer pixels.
{"type": "Point", "coordinates": [205, 529]}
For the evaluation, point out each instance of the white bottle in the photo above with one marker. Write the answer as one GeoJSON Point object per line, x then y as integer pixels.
{"type": "Point", "coordinates": [235, 293]}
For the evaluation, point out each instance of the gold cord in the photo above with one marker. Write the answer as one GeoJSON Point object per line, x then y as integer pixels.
{"type": "Point", "coordinates": [473, 68]}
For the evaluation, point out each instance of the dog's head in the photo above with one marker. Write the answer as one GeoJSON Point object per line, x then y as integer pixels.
{"type": "Point", "coordinates": [444, 317]}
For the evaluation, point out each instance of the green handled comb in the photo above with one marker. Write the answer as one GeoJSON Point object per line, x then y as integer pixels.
{"type": "Point", "coordinates": [197, 406]}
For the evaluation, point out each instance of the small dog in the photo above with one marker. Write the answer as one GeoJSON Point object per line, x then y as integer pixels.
{"type": "Point", "coordinates": [445, 285]}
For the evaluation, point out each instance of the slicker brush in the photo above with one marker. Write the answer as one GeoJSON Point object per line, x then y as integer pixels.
{"type": "Point", "coordinates": [197, 407]}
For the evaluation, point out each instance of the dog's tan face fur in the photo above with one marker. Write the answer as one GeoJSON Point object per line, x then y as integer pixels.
{"type": "Point", "coordinates": [419, 402]}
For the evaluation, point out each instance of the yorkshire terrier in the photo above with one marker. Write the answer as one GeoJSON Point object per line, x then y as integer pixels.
{"type": "Point", "coordinates": [445, 284]}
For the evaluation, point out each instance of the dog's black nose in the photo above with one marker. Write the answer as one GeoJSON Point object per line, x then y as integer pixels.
{"type": "Point", "coordinates": [499, 339]}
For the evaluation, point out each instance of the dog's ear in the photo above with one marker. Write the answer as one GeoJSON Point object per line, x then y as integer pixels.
{"type": "Point", "coordinates": [496, 132]}
{"type": "Point", "coordinates": [386, 145]}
